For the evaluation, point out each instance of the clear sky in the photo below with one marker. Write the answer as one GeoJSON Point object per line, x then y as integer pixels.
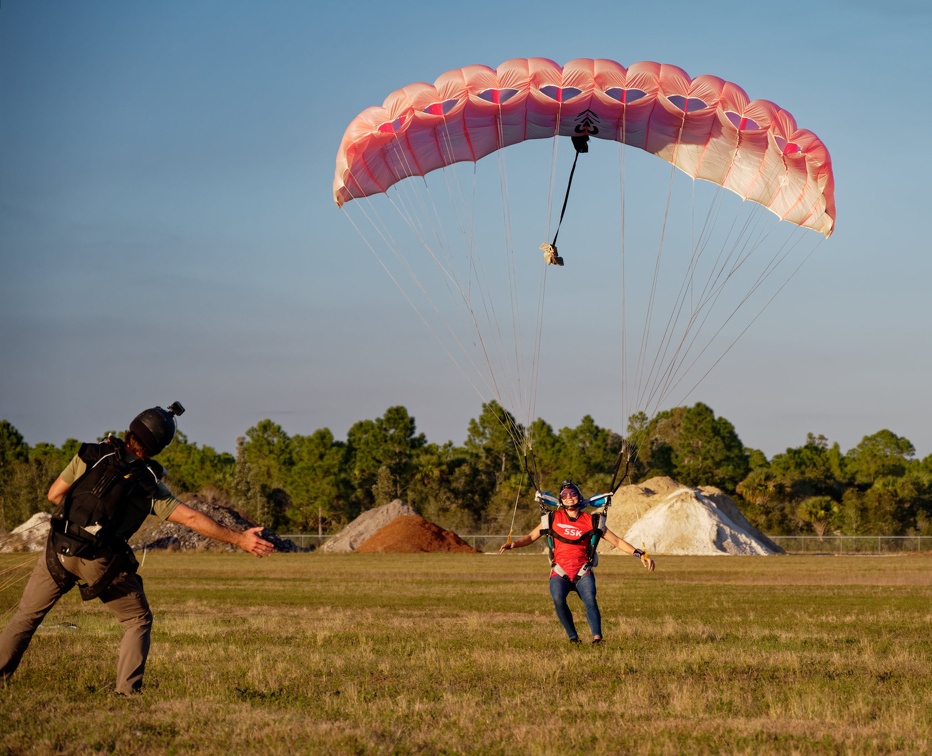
{"type": "Point", "coordinates": [167, 227]}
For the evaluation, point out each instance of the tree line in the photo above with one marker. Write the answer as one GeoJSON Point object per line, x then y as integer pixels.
{"type": "Point", "coordinates": [298, 483]}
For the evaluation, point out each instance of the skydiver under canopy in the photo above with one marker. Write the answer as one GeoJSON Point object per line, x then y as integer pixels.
{"type": "Point", "coordinates": [573, 536]}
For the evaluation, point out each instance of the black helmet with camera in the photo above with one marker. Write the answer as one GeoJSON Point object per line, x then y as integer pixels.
{"type": "Point", "coordinates": [155, 428]}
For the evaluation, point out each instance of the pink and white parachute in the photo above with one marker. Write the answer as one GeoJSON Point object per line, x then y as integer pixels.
{"type": "Point", "coordinates": [705, 126]}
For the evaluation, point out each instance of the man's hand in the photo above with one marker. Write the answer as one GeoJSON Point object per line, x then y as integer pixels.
{"type": "Point", "coordinates": [251, 542]}
{"type": "Point", "coordinates": [247, 540]}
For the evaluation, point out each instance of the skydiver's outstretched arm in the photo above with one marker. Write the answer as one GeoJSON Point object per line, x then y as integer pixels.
{"type": "Point", "coordinates": [525, 540]}
{"type": "Point", "coordinates": [620, 543]}
{"type": "Point", "coordinates": [248, 540]}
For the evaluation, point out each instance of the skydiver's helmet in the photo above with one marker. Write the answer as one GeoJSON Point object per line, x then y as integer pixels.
{"type": "Point", "coordinates": [155, 428]}
{"type": "Point", "coordinates": [568, 486]}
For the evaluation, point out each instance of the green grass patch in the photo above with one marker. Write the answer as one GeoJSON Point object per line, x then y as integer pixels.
{"type": "Point", "coordinates": [439, 653]}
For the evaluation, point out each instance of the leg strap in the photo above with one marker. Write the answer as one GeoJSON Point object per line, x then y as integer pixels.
{"type": "Point", "coordinates": [63, 579]}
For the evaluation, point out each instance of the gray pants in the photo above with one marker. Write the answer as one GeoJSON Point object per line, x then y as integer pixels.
{"type": "Point", "coordinates": [124, 597]}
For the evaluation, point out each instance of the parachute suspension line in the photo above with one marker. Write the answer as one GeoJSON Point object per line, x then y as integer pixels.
{"type": "Point", "coordinates": [379, 228]}
{"type": "Point", "coordinates": [389, 242]}
{"type": "Point", "coordinates": [656, 373]}
{"type": "Point", "coordinates": [662, 369]}
{"type": "Point", "coordinates": [538, 337]}
{"type": "Point", "coordinates": [554, 151]}
{"type": "Point", "coordinates": [642, 383]}
{"type": "Point", "coordinates": [626, 455]}
{"type": "Point", "coordinates": [13, 575]}
{"type": "Point", "coordinates": [668, 372]}
{"type": "Point", "coordinates": [757, 315]}
{"type": "Point", "coordinates": [514, 512]}
{"type": "Point", "coordinates": [542, 288]}
{"type": "Point", "coordinates": [715, 287]}
{"type": "Point", "coordinates": [622, 178]}
{"type": "Point", "coordinates": [521, 398]}
{"type": "Point", "coordinates": [478, 275]}
{"type": "Point", "coordinates": [733, 256]}
{"type": "Point", "coordinates": [533, 478]}
{"type": "Point", "coordinates": [539, 320]}
{"type": "Point", "coordinates": [448, 269]}
{"type": "Point", "coordinates": [494, 353]}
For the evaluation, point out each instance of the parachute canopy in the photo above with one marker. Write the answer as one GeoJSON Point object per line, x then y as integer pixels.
{"type": "Point", "coordinates": [707, 127]}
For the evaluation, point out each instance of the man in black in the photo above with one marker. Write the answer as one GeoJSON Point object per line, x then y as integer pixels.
{"type": "Point", "coordinates": [103, 496]}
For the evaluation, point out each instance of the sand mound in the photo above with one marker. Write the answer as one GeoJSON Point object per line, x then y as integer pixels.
{"type": "Point", "coordinates": [412, 534]}
{"type": "Point", "coordinates": [365, 526]}
{"type": "Point", "coordinates": [669, 518]}
{"type": "Point", "coordinates": [30, 536]}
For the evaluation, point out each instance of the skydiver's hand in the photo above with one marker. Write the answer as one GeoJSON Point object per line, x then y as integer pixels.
{"type": "Point", "coordinates": [648, 563]}
{"type": "Point", "coordinates": [255, 545]}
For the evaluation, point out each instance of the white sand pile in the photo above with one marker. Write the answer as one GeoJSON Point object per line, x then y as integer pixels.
{"type": "Point", "coordinates": [30, 536]}
{"type": "Point", "coordinates": [668, 518]}
{"type": "Point", "coordinates": [365, 526]}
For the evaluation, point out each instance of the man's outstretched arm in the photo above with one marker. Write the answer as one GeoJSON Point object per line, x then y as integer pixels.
{"type": "Point", "coordinates": [247, 540]}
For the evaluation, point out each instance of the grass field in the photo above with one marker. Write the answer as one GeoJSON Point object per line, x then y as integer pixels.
{"type": "Point", "coordinates": [442, 653]}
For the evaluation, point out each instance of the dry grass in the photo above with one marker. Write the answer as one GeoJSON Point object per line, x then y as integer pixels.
{"type": "Point", "coordinates": [457, 653]}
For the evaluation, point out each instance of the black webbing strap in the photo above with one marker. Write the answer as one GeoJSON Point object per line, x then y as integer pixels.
{"type": "Point", "coordinates": [624, 455]}
{"type": "Point", "coordinates": [531, 474]}
{"type": "Point", "coordinates": [580, 143]}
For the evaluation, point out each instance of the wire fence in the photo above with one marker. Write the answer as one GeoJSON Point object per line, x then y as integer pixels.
{"type": "Point", "coordinates": [854, 545]}
{"type": "Point", "coordinates": [480, 541]}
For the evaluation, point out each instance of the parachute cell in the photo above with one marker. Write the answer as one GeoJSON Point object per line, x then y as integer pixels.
{"type": "Point", "coordinates": [705, 126]}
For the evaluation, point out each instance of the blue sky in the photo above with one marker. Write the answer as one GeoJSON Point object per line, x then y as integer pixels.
{"type": "Point", "coordinates": [167, 229]}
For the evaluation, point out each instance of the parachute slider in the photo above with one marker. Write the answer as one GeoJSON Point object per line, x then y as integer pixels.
{"type": "Point", "coordinates": [550, 255]}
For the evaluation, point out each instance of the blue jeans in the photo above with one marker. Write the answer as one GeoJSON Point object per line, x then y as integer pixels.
{"type": "Point", "coordinates": [560, 588]}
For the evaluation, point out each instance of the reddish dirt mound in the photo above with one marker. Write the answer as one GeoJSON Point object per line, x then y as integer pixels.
{"type": "Point", "coordinates": [412, 534]}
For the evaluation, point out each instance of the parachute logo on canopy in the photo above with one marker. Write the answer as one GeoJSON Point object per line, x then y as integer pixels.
{"type": "Point", "coordinates": [586, 123]}
{"type": "Point", "coordinates": [705, 126]}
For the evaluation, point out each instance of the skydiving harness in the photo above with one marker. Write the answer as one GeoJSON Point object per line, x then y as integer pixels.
{"type": "Point", "coordinates": [549, 504]}
{"type": "Point", "coordinates": [87, 522]}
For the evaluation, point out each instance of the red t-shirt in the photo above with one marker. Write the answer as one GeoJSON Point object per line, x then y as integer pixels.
{"type": "Point", "coordinates": [570, 556]}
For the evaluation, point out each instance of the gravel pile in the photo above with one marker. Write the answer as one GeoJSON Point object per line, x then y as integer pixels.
{"type": "Point", "coordinates": [175, 537]}
{"type": "Point", "coordinates": [365, 526]}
